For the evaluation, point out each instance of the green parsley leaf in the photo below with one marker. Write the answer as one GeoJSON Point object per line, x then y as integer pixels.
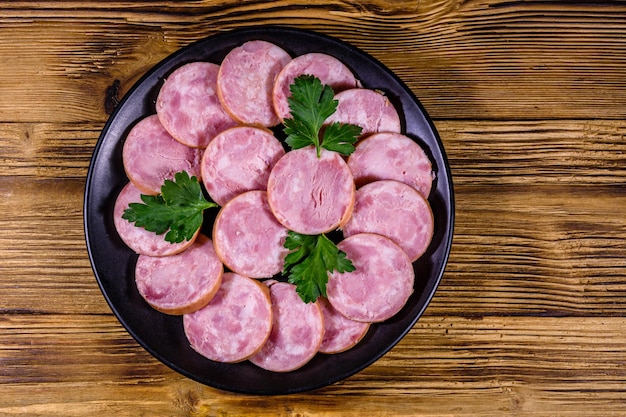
{"type": "Point", "coordinates": [178, 210]}
{"type": "Point", "coordinates": [308, 265]}
{"type": "Point", "coordinates": [340, 137]}
{"type": "Point", "coordinates": [311, 103]}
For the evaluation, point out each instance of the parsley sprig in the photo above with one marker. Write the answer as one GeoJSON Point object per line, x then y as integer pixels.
{"type": "Point", "coordinates": [308, 265]}
{"type": "Point", "coordinates": [311, 103]}
{"type": "Point", "coordinates": [177, 210]}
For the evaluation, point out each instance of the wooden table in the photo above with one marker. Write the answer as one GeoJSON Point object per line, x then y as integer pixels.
{"type": "Point", "coordinates": [530, 101]}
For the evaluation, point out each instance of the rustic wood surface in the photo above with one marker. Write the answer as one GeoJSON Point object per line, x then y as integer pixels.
{"type": "Point", "coordinates": [529, 98]}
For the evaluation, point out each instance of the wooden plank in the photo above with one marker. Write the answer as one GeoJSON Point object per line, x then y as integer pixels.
{"type": "Point", "coordinates": [45, 150]}
{"type": "Point", "coordinates": [480, 152]}
{"type": "Point", "coordinates": [548, 244]}
{"type": "Point", "coordinates": [535, 153]}
{"type": "Point", "coordinates": [44, 265]}
{"type": "Point", "coordinates": [488, 60]}
{"type": "Point", "coordinates": [445, 366]}
{"type": "Point", "coordinates": [529, 99]}
{"type": "Point", "coordinates": [545, 250]}
{"type": "Point", "coordinates": [536, 250]}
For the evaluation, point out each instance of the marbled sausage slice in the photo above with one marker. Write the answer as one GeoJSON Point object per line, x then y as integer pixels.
{"type": "Point", "coordinates": [188, 105]}
{"type": "Point", "coordinates": [380, 285]}
{"type": "Point", "coordinates": [237, 160]}
{"type": "Point", "coordinates": [395, 210]}
{"type": "Point", "coordinates": [311, 195]}
{"type": "Point", "coordinates": [151, 155]}
{"type": "Point", "coordinates": [296, 333]}
{"type": "Point", "coordinates": [391, 156]}
{"type": "Point", "coordinates": [235, 324]}
{"type": "Point", "coordinates": [340, 332]}
{"type": "Point", "coordinates": [367, 108]}
{"type": "Point", "coordinates": [246, 79]}
{"type": "Point", "coordinates": [247, 237]}
{"type": "Point", "coordinates": [139, 239]}
{"type": "Point", "coordinates": [182, 283]}
{"type": "Point", "coordinates": [327, 68]}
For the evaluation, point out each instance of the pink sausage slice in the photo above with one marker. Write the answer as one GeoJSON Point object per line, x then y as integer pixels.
{"type": "Point", "coordinates": [366, 108]}
{"type": "Point", "coordinates": [327, 68]}
{"type": "Point", "coordinates": [139, 239]}
{"type": "Point", "coordinates": [381, 284]}
{"type": "Point", "coordinates": [395, 210]}
{"type": "Point", "coordinates": [150, 155]}
{"type": "Point", "coordinates": [235, 324]}
{"type": "Point", "coordinates": [246, 79]}
{"type": "Point", "coordinates": [311, 195]}
{"type": "Point", "coordinates": [238, 160]}
{"type": "Point", "coordinates": [247, 237]}
{"type": "Point", "coordinates": [296, 333]}
{"type": "Point", "coordinates": [188, 105]}
{"type": "Point", "coordinates": [340, 333]}
{"type": "Point", "coordinates": [182, 283]}
{"type": "Point", "coordinates": [391, 156]}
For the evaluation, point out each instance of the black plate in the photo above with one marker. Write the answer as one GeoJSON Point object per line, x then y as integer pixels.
{"type": "Point", "coordinates": [162, 335]}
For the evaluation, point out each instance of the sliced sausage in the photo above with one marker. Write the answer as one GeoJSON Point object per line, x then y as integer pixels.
{"type": "Point", "coordinates": [238, 160]}
{"type": "Point", "coordinates": [246, 79]}
{"type": "Point", "coordinates": [392, 156]}
{"type": "Point", "coordinates": [311, 195]}
{"type": "Point", "coordinates": [395, 210]}
{"type": "Point", "coordinates": [151, 155]}
{"type": "Point", "coordinates": [235, 324]}
{"type": "Point", "coordinates": [182, 283]}
{"type": "Point", "coordinates": [340, 332]}
{"type": "Point", "coordinates": [380, 285]}
{"type": "Point", "coordinates": [139, 239]}
{"type": "Point", "coordinates": [327, 68]}
{"type": "Point", "coordinates": [296, 333]}
{"type": "Point", "coordinates": [247, 237]}
{"type": "Point", "coordinates": [188, 105]}
{"type": "Point", "coordinates": [367, 108]}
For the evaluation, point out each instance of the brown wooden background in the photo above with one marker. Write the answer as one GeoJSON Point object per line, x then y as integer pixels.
{"type": "Point", "coordinates": [529, 98]}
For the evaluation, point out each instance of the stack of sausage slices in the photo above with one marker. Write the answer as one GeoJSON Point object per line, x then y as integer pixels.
{"type": "Point", "coordinates": [215, 123]}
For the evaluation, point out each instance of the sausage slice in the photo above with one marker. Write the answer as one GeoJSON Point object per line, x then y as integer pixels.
{"type": "Point", "coordinates": [311, 195]}
{"type": "Point", "coordinates": [247, 237]}
{"type": "Point", "coordinates": [296, 333]}
{"type": "Point", "coordinates": [328, 69]}
{"type": "Point", "coordinates": [139, 239]}
{"type": "Point", "coordinates": [235, 324]}
{"type": "Point", "coordinates": [188, 105]}
{"type": "Point", "coordinates": [340, 333]}
{"type": "Point", "coordinates": [181, 283]}
{"type": "Point", "coordinates": [367, 108]}
{"type": "Point", "coordinates": [151, 155]}
{"type": "Point", "coordinates": [391, 156]}
{"type": "Point", "coordinates": [238, 160]}
{"type": "Point", "coordinates": [246, 79]}
{"type": "Point", "coordinates": [380, 285]}
{"type": "Point", "coordinates": [395, 210]}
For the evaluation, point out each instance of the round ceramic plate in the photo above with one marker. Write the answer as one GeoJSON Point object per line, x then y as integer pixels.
{"type": "Point", "coordinates": [162, 335]}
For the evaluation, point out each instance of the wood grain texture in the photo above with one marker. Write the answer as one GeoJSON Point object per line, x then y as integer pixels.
{"type": "Point", "coordinates": [529, 98]}
{"type": "Point", "coordinates": [541, 59]}
{"type": "Point", "coordinates": [445, 366]}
